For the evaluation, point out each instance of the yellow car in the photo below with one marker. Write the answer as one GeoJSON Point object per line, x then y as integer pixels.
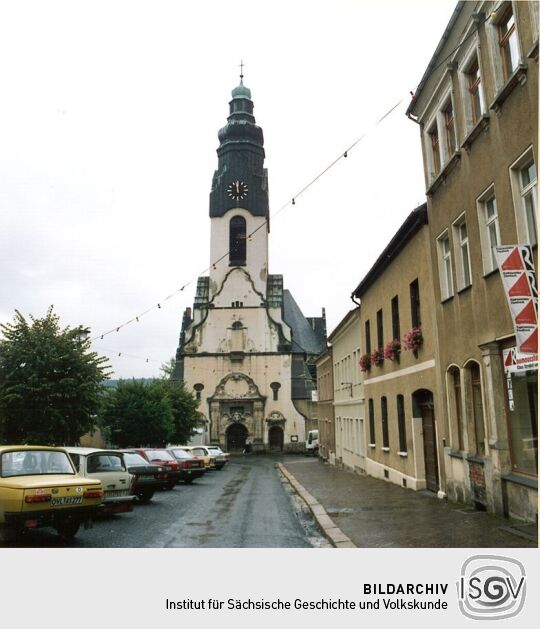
{"type": "Point", "coordinates": [40, 487]}
{"type": "Point", "coordinates": [201, 452]}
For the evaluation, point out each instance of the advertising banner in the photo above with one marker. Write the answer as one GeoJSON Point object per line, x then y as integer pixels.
{"type": "Point", "coordinates": [518, 275]}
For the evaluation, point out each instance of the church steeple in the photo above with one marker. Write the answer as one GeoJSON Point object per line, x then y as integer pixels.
{"type": "Point", "coordinates": [240, 159]}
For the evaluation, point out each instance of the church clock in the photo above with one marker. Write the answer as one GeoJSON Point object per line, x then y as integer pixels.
{"type": "Point", "coordinates": [237, 190]}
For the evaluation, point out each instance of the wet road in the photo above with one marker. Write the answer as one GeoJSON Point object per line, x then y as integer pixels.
{"type": "Point", "coordinates": [244, 505]}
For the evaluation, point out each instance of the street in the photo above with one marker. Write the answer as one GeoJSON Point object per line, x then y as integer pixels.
{"type": "Point", "coordinates": [244, 505]}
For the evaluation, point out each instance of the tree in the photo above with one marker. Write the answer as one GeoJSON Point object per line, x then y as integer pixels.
{"type": "Point", "coordinates": [184, 409]}
{"type": "Point", "coordinates": [167, 369]}
{"type": "Point", "coordinates": [138, 414]}
{"type": "Point", "coordinates": [50, 381]}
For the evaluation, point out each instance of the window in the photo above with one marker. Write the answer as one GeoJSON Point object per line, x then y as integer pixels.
{"type": "Point", "coordinates": [368, 337]}
{"type": "Point", "coordinates": [371, 411]}
{"type": "Point", "coordinates": [456, 414]}
{"type": "Point", "coordinates": [380, 334]}
{"type": "Point", "coordinates": [463, 258]}
{"type": "Point", "coordinates": [525, 192]}
{"type": "Point", "coordinates": [395, 318]}
{"type": "Point", "coordinates": [488, 222]}
{"type": "Point", "coordinates": [508, 43]}
{"type": "Point", "coordinates": [476, 407]}
{"type": "Point", "coordinates": [384, 423]}
{"type": "Point", "coordinates": [523, 422]}
{"type": "Point", "coordinates": [237, 241]}
{"type": "Point", "coordinates": [450, 131]}
{"type": "Point", "coordinates": [435, 149]}
{"type": "Point", "coordinates": [445, 266]}
{"type": "Point", "coordinates": [414, 291]}
{"type": "Point", "coordinates": [476, 99]}
{"type": "Point", "coordinates": [275, 386]}
{"type": "Point", "coordinates": [401, 424]}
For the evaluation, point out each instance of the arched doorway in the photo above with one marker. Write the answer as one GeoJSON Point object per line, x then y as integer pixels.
{"type": "Point", "coordinates": [424, 408]}
{"type": "Point", "coordinates": [236, 437]}
{"type": "Point", "coordinates": [275, 438]}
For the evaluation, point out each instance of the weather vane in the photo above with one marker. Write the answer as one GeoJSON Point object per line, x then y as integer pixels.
{"type": "Point", "coordinates": [241, 71]}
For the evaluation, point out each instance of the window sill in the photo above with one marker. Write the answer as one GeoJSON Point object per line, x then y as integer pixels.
{"type": "Point", "coordinates": [518, 77]}
{"type": "Point", "coordinates": [480, 126]}
{"type": "Point", "coordinates": [491, 273]}
{"type": "Point", "coordinates": [456, 454]}
{"type": "Point", "coordinates": [403, 454]}
{"type": "Point", "coordinates": [445, 300]}
{"type": "Point", "coordinates": [372, 445]}
{"type": "Point", "coordinates": [533, 52]}
{"type": "Point", "coordinates": [385, 449]}
{"type": "Point", "coordinates": [475, 458]}
{"type": "Point", "coordinates": [463, 290]}
{"type": "Point", "coordinates": [516, 477]}
{"type": "Point", "coordinates": [442, 176]}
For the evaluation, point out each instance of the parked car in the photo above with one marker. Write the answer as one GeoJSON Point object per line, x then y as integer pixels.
{"type": "Point", "coordinates": [109, 467]}
{"type": "Point", "coordinates": [147, 477]}
{"type": "Point", "coordinates": [161, 456]}
{"type": "Point", "coordinates": [39, 486]}
{"type": "Point", "coordinates": [312, 443]}
{"type": "Point", "coordinates": [201, 452]}
{"type": "Point", "coordinates": [190, 466]}
{"type": "Point", "coordinates": [222, 458]}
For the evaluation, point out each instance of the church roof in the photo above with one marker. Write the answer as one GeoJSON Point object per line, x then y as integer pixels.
{"type": "Point", "coordinates": [305, 337]}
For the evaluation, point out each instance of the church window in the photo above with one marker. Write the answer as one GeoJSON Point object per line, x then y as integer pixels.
{"type": "Point", "coordinates": [237, 241]}
{"type": "Point", "coordinates": [275, 386]}
{"type": "Point", "coordinates": [198, 388]}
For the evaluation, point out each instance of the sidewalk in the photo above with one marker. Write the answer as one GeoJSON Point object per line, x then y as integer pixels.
{"type": "Point", "coordinates": [377, 514]}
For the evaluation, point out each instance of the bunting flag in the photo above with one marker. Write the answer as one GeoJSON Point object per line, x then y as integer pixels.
{"type": "Point", "coordinates": [519, 281]}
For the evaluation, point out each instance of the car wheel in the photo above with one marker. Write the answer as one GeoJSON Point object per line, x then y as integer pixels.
{"type": "Point", "coordinates": [188, 481]}
{"type": "Point", "coordinates": [169, 486]}
{"type": "Point", "coordinates": [145, 496]}
{"type": "Point", "coordinates": [68, 529]}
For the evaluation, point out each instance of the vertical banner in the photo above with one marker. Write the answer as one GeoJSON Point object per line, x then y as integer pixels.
{"type": "Point", "coordinates": [519, 281]}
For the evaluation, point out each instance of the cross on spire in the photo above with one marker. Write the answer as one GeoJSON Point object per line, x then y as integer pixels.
{"type": "Point", "coordinates": [241, 72]}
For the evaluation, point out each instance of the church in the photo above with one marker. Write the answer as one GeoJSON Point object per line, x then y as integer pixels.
{"type": "Point", "coordinates": [246, 350]}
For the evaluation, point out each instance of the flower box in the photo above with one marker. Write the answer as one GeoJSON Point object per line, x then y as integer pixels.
{"type": "Point", "coordinates": [413, 339]}
{"type": "Point", "coordinates": [377, 357]}
{"type": "Point", "coordinates": [392, 349]}
{"type": "Point", "coordinates": [365, 362]}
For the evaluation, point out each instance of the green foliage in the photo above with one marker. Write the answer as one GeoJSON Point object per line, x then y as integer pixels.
{"type": "Point", "coordinates": [167, 369]}
{"type": "Point", "coordinates": [148, 413]}
{"type": "Point", "coordinates": [50, 381]}
{"type": "Point", "coordinates": [184, 409]}
{"type": "Point", "coordinates": [136, 413]}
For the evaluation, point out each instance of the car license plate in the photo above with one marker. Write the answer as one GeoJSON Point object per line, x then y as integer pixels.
{"type": "Point", "coordinates": [66, 500]}
{"type": "Point", "coordinates": [114, 494]}
{"type": "Point", "coordinates": [147, 476]}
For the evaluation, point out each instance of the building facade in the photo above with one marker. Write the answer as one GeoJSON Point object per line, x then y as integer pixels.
{"type": "Point", "coordinates": [246, 350]}
{"type": "Point", "coordinates": [405, 427]}
{"type": "Point", "coordinates": [325, 406]}
{"type": "Point", "coordinates": [477, 110]}
{"type": "Point", "coordinates": [349, 407]}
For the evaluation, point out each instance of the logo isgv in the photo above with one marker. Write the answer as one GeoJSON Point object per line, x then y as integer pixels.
{"type": "Point", "coordinates": [491, 587]}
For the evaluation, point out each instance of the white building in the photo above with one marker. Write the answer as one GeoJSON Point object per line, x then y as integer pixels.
{"type": "Point", "coordinates": [246, 350]}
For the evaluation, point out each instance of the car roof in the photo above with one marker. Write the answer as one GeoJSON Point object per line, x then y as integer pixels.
{"type": "Point", "coordinates": [24, 447]}
{"type": "Point", "coordinates": [86, 451]}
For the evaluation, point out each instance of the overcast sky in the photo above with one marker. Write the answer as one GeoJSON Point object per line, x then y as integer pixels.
{"type": "Point", "coordinates": [108, 134]}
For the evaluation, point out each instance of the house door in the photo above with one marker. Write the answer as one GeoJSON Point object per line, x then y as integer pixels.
{"type": "Point", "coordinates": [275, 438]}
{"type": "Point", "coordinates": [236, 437]}
{"type": "Point", "coordinates": [430, 446]}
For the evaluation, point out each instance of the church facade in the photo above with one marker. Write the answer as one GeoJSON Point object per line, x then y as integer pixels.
{"type": "Point", "coordinates": [245, 349]}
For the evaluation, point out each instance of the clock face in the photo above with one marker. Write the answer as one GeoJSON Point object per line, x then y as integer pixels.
{"type": "Point", "coordinates": [237, 190]}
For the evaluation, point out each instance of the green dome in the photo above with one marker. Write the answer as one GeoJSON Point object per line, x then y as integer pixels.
{"type": "Point", "coordinates": [241, 91]}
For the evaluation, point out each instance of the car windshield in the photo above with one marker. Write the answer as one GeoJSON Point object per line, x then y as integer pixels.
{"type": "Point", "coordinates": [200, 451]}
{"type": "Point", "coordinates": [132, 458]}
{"type": "Point", "coordinates": [159, 455]}
{"type": "Point", "coordinates": [35, 463]}
{"type": "Point", "coordinates": [105, 463]}
{"type": "Point", "coordinates": [215, 449]}
{"type": "Point", "coordinates": [182, 454]}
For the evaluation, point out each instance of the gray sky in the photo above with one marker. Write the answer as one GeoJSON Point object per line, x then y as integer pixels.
{"type": "Point", "coordinates": [108, 131]}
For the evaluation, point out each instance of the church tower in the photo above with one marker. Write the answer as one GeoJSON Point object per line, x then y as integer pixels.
{"type": "Point", "coordinates": [246, 350]}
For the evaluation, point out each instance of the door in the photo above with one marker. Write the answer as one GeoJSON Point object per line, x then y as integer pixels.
{"type": "Point", "coordinates": [275, 438]}
{"type": "Point", "coordinates": [236, 437]}
{"type": "Point", "coordinates": [430, 447]}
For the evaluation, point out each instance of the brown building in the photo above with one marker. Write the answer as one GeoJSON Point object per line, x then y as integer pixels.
{"type": "Point", "coordinates": [325, 406]}
{"type": "Point", "coordinates": [477, 109]}
{"type": "Point", "coordinates": [405, 428]}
